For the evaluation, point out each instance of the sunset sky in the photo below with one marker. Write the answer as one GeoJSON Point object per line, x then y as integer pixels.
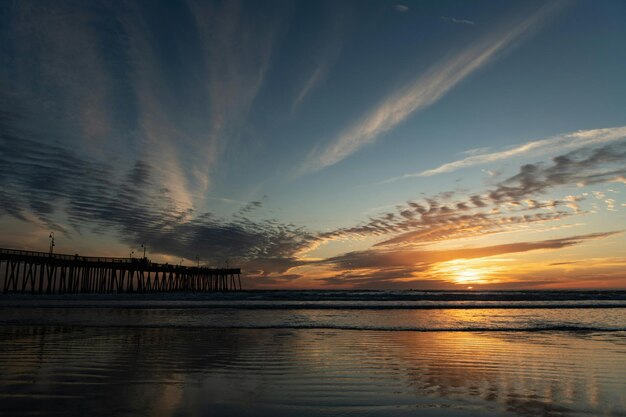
{"type": "Point", "coordinates": [322, 144]}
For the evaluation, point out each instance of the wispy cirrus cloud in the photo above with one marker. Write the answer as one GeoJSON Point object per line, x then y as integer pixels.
{"type": "Point", "coordinates": [117, 83]}
{"type": "Point", "coordinates": [422, 92]}
{"type": "Point", "coordinates": [236, 49]}
{"type": "Point", "coordinates": [159, 125]}
{"type": "Point", "coordinates": [48, 59]}
{"type": "Point", "coordinates": [187, 123]}
{"type": "Point", "coordinates": [458, 21]}
{"type": "Point", "coordinates": [318, 74]}
{"type": "Point", "coordinates": [561, 142]}
{"type": "Point", "coordinates": [329, 51]}
{"type": "Point", "coordinates": [402, 8]}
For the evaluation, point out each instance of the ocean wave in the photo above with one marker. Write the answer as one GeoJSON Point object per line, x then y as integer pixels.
{"type": "Point", "coordinates": [306, 306]}
{"type": "Point", "coordinates": [343, 296]}
{"type": "Point", "coordinates": [327, 326]}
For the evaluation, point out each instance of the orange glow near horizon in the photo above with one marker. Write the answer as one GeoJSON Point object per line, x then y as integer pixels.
{"type": "Point", "coordinates": [467, 272]}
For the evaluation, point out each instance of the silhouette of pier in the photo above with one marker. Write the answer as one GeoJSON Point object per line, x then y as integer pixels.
{"type": "Point", "coordinates": [47, 273]}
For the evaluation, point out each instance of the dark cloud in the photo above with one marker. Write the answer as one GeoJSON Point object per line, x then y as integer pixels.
{"type": "Point", "coordinates": [583, 166]}
{"type": "Point", "coordinates": [562, 263]}
{"type": "Point", "coordinates": [510, 200]}
{"type": "Point", "coordinates": [436, 229]}
{"type": "Point", "coordinates": [268, 280]}
{"type": "Point", "coordinates": [434, 222]}
{"type": "Point", "coordinates": [477, 201]}
{"type": "Point", "coordinates": [251, 206]}
{"type": "Point", "coordinates": [421, 260]}
{"type": "Point", "coordinates": [387, 278]}
{"type": "Point", "coordinates": [59, 187]}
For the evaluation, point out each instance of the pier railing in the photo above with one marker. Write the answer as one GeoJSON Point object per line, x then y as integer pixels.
{"type": "Point", "coordinates": [44, 273]}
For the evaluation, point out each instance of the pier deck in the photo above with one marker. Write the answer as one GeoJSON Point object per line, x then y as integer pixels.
{"type": "Point", "coordinates": [44, 273]}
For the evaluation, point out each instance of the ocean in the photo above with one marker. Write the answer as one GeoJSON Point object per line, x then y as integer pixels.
{"type": "Point", "coordinates": [315, 353]}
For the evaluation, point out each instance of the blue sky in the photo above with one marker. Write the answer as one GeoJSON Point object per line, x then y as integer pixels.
{"type": "Point", "coordinates": [298, 138]}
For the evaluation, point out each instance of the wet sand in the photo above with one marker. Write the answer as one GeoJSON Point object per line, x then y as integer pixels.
{"type": "Point", "coordinates": [55, 370]}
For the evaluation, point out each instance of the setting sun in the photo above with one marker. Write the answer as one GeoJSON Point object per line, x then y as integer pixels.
{"type": "Point", "coordinates": [468, 276]}
{"type": "Point", "coordinates": [465, 271]}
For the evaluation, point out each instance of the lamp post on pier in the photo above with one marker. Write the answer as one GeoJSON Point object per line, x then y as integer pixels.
{"type": "Point", "coordinates": [51, 237]}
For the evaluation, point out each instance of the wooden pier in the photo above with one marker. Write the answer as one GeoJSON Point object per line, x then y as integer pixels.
{"type": "Point", "coordinates": [45, 273]}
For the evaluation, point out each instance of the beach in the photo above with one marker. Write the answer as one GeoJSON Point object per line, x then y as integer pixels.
{"type": "Point", "coordinates": [330, 208]}
{"type": "Point", "coordinates": [273, 354]}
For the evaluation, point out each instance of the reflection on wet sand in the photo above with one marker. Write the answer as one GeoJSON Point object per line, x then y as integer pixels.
{"type": "Point", "coordinates": [239, 372]}
{"type": "Point", "coordinates": [525, 374]}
